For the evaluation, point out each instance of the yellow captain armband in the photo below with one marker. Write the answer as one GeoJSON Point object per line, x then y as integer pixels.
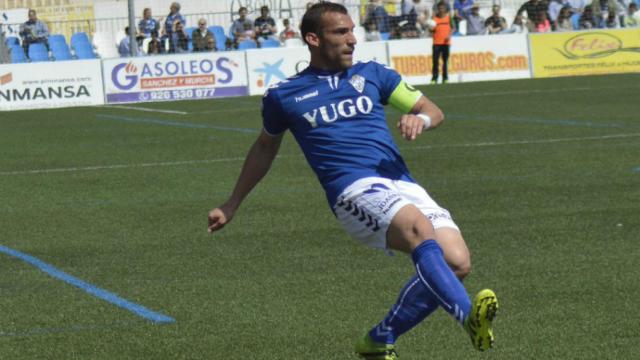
{"type": "Point", "coordinates": [404, 97]}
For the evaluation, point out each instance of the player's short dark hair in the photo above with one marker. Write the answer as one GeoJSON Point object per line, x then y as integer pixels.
{"type": "Point", "coordinates": [312, 19]}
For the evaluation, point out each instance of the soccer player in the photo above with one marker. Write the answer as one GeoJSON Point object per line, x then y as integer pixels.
{"type": "Point", "coordinates": [334, 109]}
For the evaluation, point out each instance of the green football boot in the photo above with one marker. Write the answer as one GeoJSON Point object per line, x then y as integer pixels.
{"type": "Point", "coordinates": [478, 322]}
{"type": "Point", "coordinates": [367, 349]}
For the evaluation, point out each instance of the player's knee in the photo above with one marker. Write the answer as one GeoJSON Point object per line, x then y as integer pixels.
{"type": "Point", "coordinates": [460, 263]}
{"type": "Point", "coordinates": [409, 230]}
{"type": "Point", "coordinates": [462, 269]}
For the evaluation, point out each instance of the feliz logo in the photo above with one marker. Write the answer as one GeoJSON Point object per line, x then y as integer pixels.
{"type": "Point", "coordinates": [593, 46]}
{"type": "Point", "coordinates": [130, 78]}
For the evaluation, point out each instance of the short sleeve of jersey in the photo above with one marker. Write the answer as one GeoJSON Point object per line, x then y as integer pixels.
{"type": "Point", "coordinates": [389, 80]}
{"type": "Point", "coordinates": [273, 117]}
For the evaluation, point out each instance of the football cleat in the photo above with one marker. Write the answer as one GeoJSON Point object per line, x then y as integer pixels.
{"type": "Point", "coordinates": [478, 322]}
{"type": "Point", "coordinates": [368, 349]}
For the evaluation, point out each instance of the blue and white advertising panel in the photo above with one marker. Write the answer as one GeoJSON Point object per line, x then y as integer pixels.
{"type": "Point", "coordinates": [269, 66]}
{"type": "Point", "coordinates": [175, 77]}
{"type": "Point", "coordinates": [50, 85]}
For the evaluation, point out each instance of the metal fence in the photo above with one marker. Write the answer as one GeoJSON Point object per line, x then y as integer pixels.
{"type": "Point", "coordinates": [281, 10]}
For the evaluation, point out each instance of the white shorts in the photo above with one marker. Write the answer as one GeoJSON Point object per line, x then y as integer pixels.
{"type": "Point", "coordinates": [366, 207]}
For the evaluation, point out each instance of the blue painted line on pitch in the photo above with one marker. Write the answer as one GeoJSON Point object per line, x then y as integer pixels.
{"type": "Point", "coordinates": [89, 288]}
{"type": "Point", "coordinates": [174, 123]}
{"type": "Point", "coordinates": [537, 121]}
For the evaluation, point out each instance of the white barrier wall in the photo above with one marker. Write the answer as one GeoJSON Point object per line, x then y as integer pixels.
{"type": "Point", "coordinates": [51, 85]}
{"type": "Point", "coordinates": [472, 58]}
{"type": "Point", "coordinates": [209, 75]}
{"type": "Point", "coordinates": [269, 66]}
{"type": "Point", "coordinates": [175, 77]}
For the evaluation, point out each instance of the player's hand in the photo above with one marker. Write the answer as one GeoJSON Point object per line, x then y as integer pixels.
{"type": "Point", "coordinates": [219, 217]}
{"type": "Point", "coordinates": [410, 126]}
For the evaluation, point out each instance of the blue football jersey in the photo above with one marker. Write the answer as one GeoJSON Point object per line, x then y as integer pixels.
{"type": "Point", "coordinates": [339, 122]}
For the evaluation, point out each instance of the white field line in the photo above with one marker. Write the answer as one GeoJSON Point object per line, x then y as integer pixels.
{"type": "Point", "coordinates": [524, 142]}
{"type": "Point", "coordinates": [231, 159]}
{"type": "Point", "coordinates": [254, 107]}
{"type": "Point", "coordinates": [138, 108]}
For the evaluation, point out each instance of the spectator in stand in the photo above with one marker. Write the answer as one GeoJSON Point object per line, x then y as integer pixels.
{"type": "Point", "coordinates": [543, 25]}
{"type": "Point", "coordinates": [407, 30]}
{"type": "Point", "coordinates": [179, 39]}
{"type": "Point", "coordinates": [242, 28]}
{"type": "Point", "coordinates": [170, 25]}
{"type": "Point", "coordinates": [148, 25]}
{"type": "Point", "coordinates": [201, 36]}
{"type": "Point", "coordinates": [563, 22]}
{"type": "Point", "coordinates": [633, 16]}
{"type": "Point", "coordinates": [289, 32]}
{"type": "Point", "coordinates": [411, 9]}
{"type": "Point", "coordinates": [265, 26]}
{"type": "Point", "coordinates": [475, 22]}
{"type": "Point", "coordinates": [211, 45]}
{"type": "Point", "coordinates": [601, 9]}
{"type": "Point", "coordinates": [587, 20]}
{"type": "Point", "coordinates": [423, 18]}
{"type": "Point", "coordinates": [441, 42]}
{"type": "Point", "coordinates": [611, 21]}
{"type": "Point", "coordinates": [533, 9]}
{"type": "Point", "coordinates": [34, 31]}
{"type": "Point", "coordinates": [372, 34]}
{"type": "Point", "coordinates": [554, 10]}
{"type": "Point", "coordinates": [518, 26]}
{"type": "Point", "coordinates": [377, 14]}
{"type": "Point", "coordinates": [577, 6]}
{"type": "Point", "coordinates": [495, 23]}
{"type": "Point", "coordinates": [124, 47]}
{"type": "Point", "coordinates": [155, 46]}
{"type": "Point", "coordinates": [461, 10]}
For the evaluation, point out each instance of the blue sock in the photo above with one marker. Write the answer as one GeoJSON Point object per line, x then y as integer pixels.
{"type": "Point", "coordinates": [414, 304]}
{"type": "Point", "coordinates": [440, 280]}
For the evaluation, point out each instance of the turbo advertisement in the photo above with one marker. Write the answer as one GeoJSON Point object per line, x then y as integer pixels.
{"type": "Point", "coordinates": [176, 77]}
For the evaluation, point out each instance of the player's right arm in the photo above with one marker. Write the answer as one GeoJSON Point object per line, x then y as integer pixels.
{"type": "Point", "coordinates": [258, 160]}
{"type": "Point", "coordinates": [256, 165]}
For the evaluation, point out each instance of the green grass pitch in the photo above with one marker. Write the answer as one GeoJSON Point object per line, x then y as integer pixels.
{"type": "Point", "coordinates": [543, 177]}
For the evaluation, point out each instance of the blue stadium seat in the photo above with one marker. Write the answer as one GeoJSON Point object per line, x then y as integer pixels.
{"type": "Point", "coordinates": [190, 44]}
{"type": "Point", "coordinates": [60, 51]}
{"type": "Point", "coordinates": [221, 38]}
{"type": "Point", "coordinates": [189, 31]}
{"type": "Point", "coordinates": [575, 21]}
{"type": "Point", "coordinates": [247, 44]}
{"type": "Point", "coordinates": [80, 39]}
{"type": "Point", "coordinates": [269, 43]}
{"type": "Point", "coordinates": [17, 55]}
{"type": "Point", "coordinates": [12, 40]}
{"type": "Point", "coordinates": [84, 51]}
{"type": "Point", "coordinates": [56, 39]}
{"type": "Point", "coordinates": [385, 36]}
{"type": "Point", "coordinates": [38, 52]}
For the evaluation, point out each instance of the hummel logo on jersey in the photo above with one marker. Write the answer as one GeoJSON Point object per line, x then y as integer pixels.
{"type": "Point", "coordinates": [307, 96]}
{"type": "Point", "coordinates": [358, 82]}
{"type": "Point", "coordinates": [344, 109]}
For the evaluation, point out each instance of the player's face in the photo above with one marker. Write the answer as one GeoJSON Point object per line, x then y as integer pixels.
{"type": "Point", "coordinates": [336, 40]}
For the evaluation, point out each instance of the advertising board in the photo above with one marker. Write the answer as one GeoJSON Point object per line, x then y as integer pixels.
{"type": "Point", "coordinates": [175, 77]}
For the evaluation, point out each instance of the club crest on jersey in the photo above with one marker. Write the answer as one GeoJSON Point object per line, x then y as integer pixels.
{"type": "Point", "coordinates": [358, 83]}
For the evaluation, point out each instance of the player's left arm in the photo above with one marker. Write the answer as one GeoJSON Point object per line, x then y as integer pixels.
{"type": "Point", "coordinates": [421, 114]}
